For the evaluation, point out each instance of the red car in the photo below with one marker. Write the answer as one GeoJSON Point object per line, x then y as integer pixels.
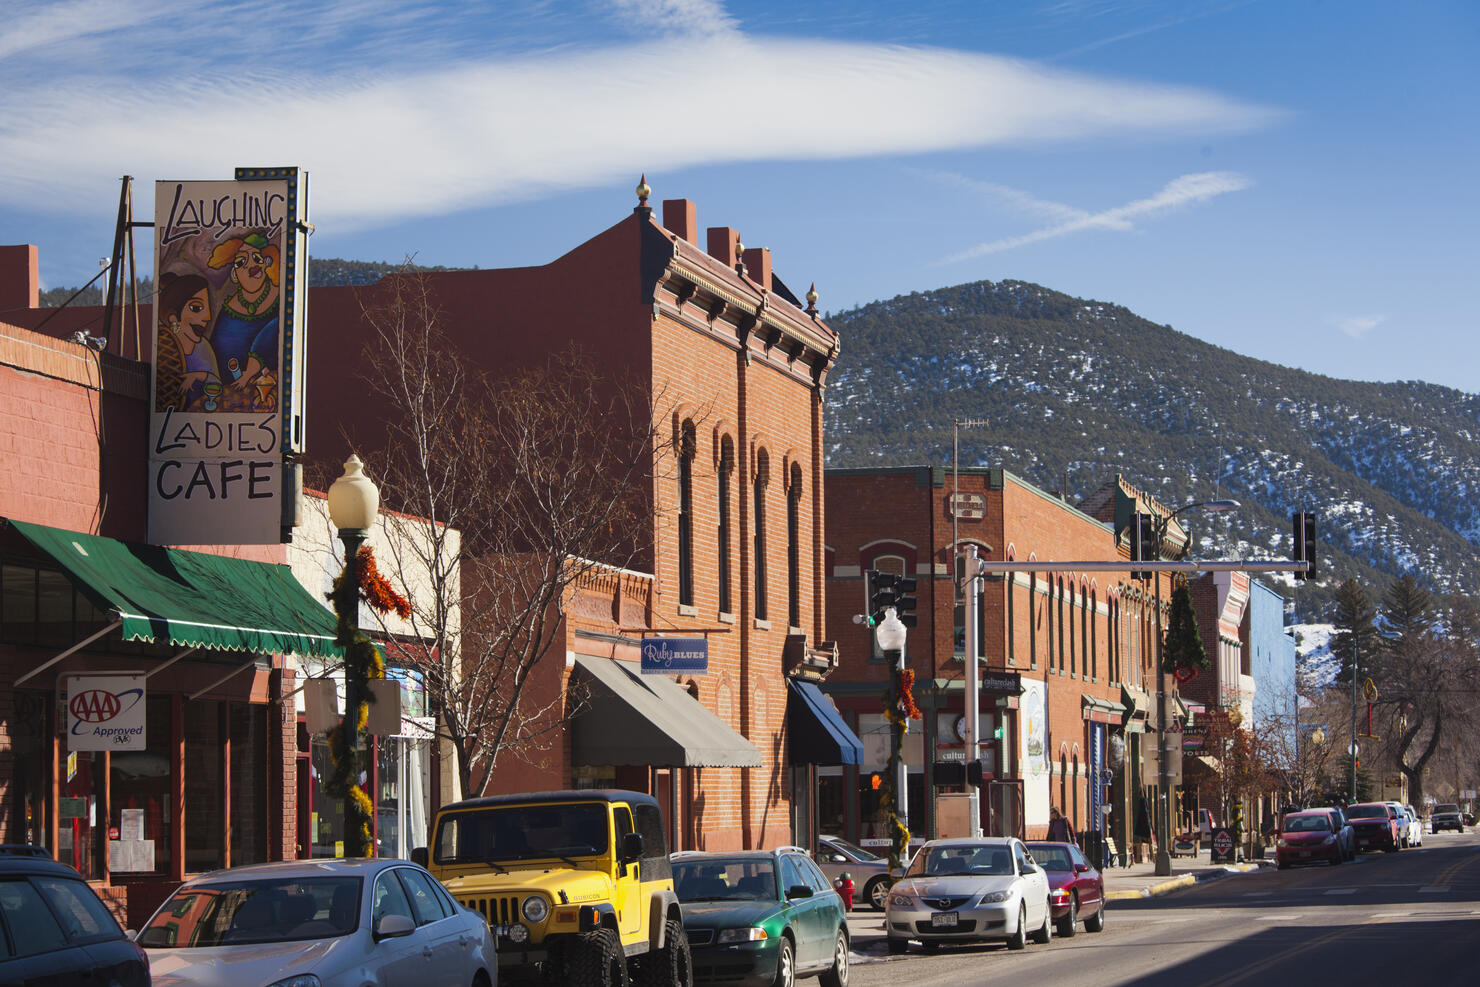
{"type": "Point", "coordinates": [1308, 838]}
{"type": "Point", "coordinates": [1374, 826]}
{"type": "Point", "coordinates": [1076, 891]}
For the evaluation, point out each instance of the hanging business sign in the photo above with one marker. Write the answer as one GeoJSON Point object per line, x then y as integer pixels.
{"type": "Point", "coordinates": [230, 260]}
{"type": "Point", "coordinates": [105, 712]}
{"type": "Point", "coordinates": [672, 655]}
{"type": "Point", "coordinates": [1001, 681]}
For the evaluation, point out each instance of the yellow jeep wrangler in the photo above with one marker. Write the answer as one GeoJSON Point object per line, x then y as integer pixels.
{"type": "Point", "coordinates": [574, 885]}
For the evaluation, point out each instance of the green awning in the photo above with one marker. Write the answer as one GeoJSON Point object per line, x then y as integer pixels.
{"type": "Point", "coordinates": [190, 599]}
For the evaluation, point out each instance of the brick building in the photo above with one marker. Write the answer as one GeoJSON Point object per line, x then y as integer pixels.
{"type": "Point", "coordinates": [1072, 648]}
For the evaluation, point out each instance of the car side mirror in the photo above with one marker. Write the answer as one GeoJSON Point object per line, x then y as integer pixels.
{"type": "Point", "coordinates": [1081, 868]}
{"type": "Point", "coordinates": [419, 856]}
{"type": "Point", "coordinates": [131, 935]}
{"type": "Point", "coordinates": [394, 926]}
{"type": "Point", "coordinates": [1029, 869]}
{"type": "Point", "coordinates": [838, 858]}
{"type": "Point", "coordinates": [632, 847]}
{"type": "Point", "coordinates": [798, 891]}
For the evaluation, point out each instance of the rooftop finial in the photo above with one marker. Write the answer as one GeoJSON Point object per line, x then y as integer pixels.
{"type": "Point", "coordinates": [643, 192]}
{"type": "Point", "coordinates": [812, 300]}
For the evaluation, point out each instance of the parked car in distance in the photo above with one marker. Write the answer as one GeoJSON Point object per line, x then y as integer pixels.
{"type": "Point", "coordinates": [1076, 890]}
{"type": "Point", "coordinates": [326, 923]}
{"type": "Point", "coordinates": [969, 890]}
{"type": "Point", "coordinates": [869, 871]}
{"type": "Point", "coordinates": [761, 917]}
{"type": "Point", "coordinates": [1415, 826]}
{"type": "Point", "coordinates": [1205, 826]}
{"type": "Point", "coordinates": [1342, 827]}
{"type": "Point", "coordinates": [55, 930]}
{"type": "Point", "coordinates": [1446, 815]}
{"type": "Point", "coordinates": [1374, 826]}
{"type": "Point", "coordinates": [1308, 837]}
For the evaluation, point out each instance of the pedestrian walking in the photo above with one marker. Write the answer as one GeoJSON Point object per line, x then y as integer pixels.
{"type": "Point", "coordinates": [1059, 829]}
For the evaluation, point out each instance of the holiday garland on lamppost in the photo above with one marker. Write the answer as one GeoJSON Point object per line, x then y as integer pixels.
{"type": "Point", "coordinates": [899, 709]}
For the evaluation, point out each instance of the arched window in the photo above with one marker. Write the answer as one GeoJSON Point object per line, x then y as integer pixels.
{"type": "Point", "coordinates": [726, 474]}
{"type": "Point", "coordinates": [762, 478]}
{"type": "Point", "coordinates": [1086, 607]}
{"type": "Point", "coordinates": [1032, 620]}
{"type": "Point", "coordinates": [1073, 648]}
{"type": "Point", "coordinates": [794, 547]}
{"type": "Point", "coordinates": [1094, 637]}
{"type": "Point", "coordinates": [1063, 619]}
{"type": "Point", "coordinates": [686, 449]}
{"type": "Point", "coordinates": [1011, 619]}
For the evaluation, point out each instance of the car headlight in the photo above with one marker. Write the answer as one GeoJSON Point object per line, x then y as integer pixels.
{"type": "Point", "coordinates": [535, 908]}
{"type": "Point", "coordinates": [992, 896]}
{"type": "Point", "coordinates": [302, 980]}
{"type": "Point", "coordinates": [1282, 842]}
{"type": "Point", "coordinates": [902, 900]}
{"type": "Point", "coordinates": [1057, 894]}
{"type": "Point", "coordinates": [752, 934]}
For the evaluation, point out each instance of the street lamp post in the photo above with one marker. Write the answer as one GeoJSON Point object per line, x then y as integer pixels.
{"type": "Point", "coordinates": [354, 501]}
{"type": "Point", "coordinates": [1164, 788]}
{"type": "Point", "coordinates": [891, 635]}
{"type": "Point", "coordinates": [965, 578]}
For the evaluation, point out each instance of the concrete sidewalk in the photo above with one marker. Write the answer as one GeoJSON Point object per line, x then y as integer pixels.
{"type": "Point", "coordinates": [866, 926]}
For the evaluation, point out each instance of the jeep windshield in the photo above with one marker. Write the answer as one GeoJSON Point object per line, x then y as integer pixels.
{"type": "Point", "coordinates": [524, 832]}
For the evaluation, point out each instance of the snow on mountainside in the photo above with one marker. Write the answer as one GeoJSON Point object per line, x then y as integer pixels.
{"type": "Point", "coordinates": [1077, 391]}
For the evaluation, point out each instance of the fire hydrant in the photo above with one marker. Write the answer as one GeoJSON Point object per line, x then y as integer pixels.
{"type": "Point", "coordinates": [845, 891]}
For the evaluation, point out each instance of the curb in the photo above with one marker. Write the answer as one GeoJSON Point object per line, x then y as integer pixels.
{"type": "Point", "coordinates": [1185, 881]}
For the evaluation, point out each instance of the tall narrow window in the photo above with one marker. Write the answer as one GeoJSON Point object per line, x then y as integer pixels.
{"type": "Point", "coordinates": [1073, 648]}
{"type": "Point", "coordinates": [1063, 619]}
{"type": "Point", "coordinates": [1048, 605]}
{"type": "Point", "coordinates": [1085, 609]}
{"type": "Point", "coordinates": [762, 477]}
{"type": "Point", "coordinates": [1032, 620]}
{"type": "Point", "coordinates": [1094, 638]}
{"type": "Point", "coordinates": [794, 546]}
{"type": "Point", "coordinates": [1011, 619]}
{"type": "Point", "coordinates": [726, 474]}
{"type": "Point", "coordinates": [686, 446]}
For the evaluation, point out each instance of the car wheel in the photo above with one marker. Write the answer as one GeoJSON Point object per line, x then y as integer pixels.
{"type": "Point", "coordinates": [1096, 922]}
{"type": "Point", "coordinates": [1069, 923]}
{"type": "Point", "coordinates": [671, 966]}
{"type": "Point", "coordinates": [786, 965]}
{"type": "Point", "coordinates": [837, 974]}
{"type": "Point", "coordinates": [1044, 935]}
{"type": "Point", "coordinates": [596, 960]}
{"type": "Point", "coordinates": [1019, 937]}
{"type": "Point", "coordinates": [898, 946]}
{"type": "Point", "coordinates": [876, 893]}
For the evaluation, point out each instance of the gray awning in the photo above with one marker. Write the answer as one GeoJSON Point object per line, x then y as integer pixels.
{"type": "Point", "coordinates": [631, 718]}
{"type": "Point", "coordinates": [1101, 710]}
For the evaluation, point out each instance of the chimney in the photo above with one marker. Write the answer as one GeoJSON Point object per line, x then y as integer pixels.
{"type": "Point", "coordinates": [758, 265]}
{"type": "Point", "coordinates": [682, 218]}
{"type": "Point", "coordinates": [722, 242]}
{"type": "Point", "coordinates": [20, 283]}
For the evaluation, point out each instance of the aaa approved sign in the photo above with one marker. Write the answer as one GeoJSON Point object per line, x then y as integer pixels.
{"type": "Point", "coordinates": [105, 713]}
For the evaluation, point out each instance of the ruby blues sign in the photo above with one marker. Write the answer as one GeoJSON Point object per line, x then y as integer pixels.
{"type": "Point", "coordinates": [105, 713]}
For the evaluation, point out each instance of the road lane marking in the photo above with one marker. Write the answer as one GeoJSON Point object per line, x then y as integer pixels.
{"type": "Point", "coordinates": [1342, 891]}
{"type": "Point", "coordinates": [1257, 894]}
{"type": "Point", "coordinates": [1435, 889]}
{"type": "Point", "coordinates": [1281, 917]}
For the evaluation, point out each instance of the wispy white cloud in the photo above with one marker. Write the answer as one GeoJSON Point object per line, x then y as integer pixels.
{"type": "Point", "coordinates": [1176, 194]}
{"type": "Point", "coordinates": [399, 114]}
{"type": "Point", "coordinates": [703, 17]}
{"type": "Point", "coordinates": [1357, 326]}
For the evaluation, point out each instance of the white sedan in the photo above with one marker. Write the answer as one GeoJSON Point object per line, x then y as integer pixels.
{"type": "Point", "coordinates": [317, 923]}
{"type": "Point", "coordinates": [969, 890]}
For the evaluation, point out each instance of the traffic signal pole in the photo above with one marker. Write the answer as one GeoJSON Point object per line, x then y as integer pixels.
{"type": "Point", "coordinates": [972, 588]}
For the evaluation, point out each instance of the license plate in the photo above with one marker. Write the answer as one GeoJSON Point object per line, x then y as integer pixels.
{"type": "Point", "coordinates": [943, 920]}
{"type": "Point", "coordinates": [1305, 853]}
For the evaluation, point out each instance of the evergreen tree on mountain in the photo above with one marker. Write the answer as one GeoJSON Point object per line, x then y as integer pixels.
{"type": "Point", "coordinates": [1353, 638]}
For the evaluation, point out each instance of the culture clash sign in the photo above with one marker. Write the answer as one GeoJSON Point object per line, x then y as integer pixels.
{"type": "Point", "coordinates": [230, 260]}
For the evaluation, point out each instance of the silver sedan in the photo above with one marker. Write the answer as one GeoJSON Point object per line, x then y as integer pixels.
{"type": "Point", "coordinates": [969, 890]}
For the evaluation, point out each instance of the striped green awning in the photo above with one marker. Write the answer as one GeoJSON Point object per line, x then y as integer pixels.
{"type": "Point", "coordinates": [190, 599]}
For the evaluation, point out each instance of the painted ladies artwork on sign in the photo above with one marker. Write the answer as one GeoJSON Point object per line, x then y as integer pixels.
{"type": "Point", "coordinates": [105, 712]}
{"type": "Point", "coordinates": [230, 260]}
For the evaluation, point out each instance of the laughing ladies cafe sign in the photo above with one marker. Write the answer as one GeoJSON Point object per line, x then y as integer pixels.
{"type": "Point", "coordinates": [227, 401]}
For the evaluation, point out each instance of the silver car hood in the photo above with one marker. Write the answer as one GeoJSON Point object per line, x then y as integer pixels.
{"type": "Point", "coordinates": [264, 963]}
{"type": "Point", "coordinates": [957, 886]}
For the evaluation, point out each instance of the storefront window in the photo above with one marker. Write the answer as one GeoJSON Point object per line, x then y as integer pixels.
{"type": "Point", "coordinates": [326, 822]}
{"type": "Point", "coordinates": [31, 785]}
{"type": "Point", "coordinates": [387, 799]}
{"type": "Point", "coordinates": [140, 809]}
{"type": "Point", "coordinates": [248, 784]}
{"type": "Point", "coordinates": [830, 799]}
{"type": "Point", "coordinates": [78, 813]}
{"type": "Point", "coordinates": [204, 793]}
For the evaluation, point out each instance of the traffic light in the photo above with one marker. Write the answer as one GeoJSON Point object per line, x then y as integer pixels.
{"type": "Point", "coordinates": [1304, 525]}
{"type": "Point", "coordinates": [1143, 543]}
{"type": "Point", "coordinates": [874, 781]}
{"type": "Point", "coordinates": [949, 773]}
{"type": "Point", "coordinates": [887, 589]}
{"type": "Point", "coordinates": [974, 773]}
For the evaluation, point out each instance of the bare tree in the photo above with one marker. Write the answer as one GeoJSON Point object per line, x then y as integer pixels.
{"type": "Point", "coordinates": [534, 481]}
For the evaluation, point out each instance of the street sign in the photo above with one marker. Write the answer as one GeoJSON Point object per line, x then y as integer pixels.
{"type": "Point", "coordinates": [1223, 846]}
{"type": "Point", "coordinates": [671, 655]}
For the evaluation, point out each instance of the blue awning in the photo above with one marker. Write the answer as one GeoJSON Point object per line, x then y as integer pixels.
{"type": "Point", "coordinates": [818, 733]}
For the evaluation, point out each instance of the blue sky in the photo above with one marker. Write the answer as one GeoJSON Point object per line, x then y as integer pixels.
{"type": "Point", "coordinates": [1295, 181]}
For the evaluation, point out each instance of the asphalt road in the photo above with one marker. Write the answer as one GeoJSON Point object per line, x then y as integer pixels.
{"type": "Point", "coordinates": [1408, 917]}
